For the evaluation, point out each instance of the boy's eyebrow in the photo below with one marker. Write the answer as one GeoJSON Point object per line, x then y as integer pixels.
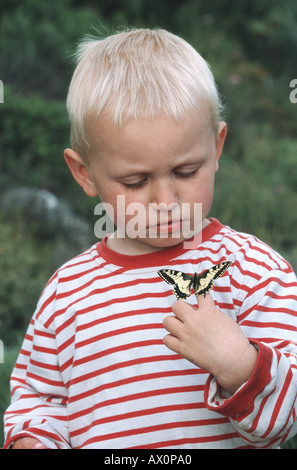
{"type": "Point", "coordinates": [131, 175]}
{"type": "Point", "coordinates": [192, 163]}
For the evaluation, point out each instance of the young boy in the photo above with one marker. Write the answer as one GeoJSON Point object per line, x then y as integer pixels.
{"type": "Point", "coordinates": [110, 359]}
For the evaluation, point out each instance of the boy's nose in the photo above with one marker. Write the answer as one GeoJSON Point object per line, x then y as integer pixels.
{"type": "Point", "coordinates": [164, 195]}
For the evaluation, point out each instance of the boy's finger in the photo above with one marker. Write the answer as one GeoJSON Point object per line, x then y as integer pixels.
{"type": "Point", "coordinates": [28, 443]}
{"type": "Point", "coordinates": [204, 300]}
{"type": "Point", "coordinates": [181, 308]}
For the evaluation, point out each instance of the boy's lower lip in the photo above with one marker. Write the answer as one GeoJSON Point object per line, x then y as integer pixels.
{"type": "Point", "coordinates": [168, 227]}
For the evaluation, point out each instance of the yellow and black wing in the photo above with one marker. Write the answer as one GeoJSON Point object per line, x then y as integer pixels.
{"type": "Point", "coordinates": [181, 282]}
{"type": "Point", "coordinates": [207, 278]}
{"type": "Point", "coordinates": [202, 284]}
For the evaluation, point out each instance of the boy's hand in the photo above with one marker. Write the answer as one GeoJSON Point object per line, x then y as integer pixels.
{"type": "Point", "coordinates": [28, 443]}
{"type": "Point", "coordinates": [212, 341]}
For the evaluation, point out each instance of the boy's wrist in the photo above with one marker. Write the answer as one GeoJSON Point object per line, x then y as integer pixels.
{"type": "Point", "coordinates": [240, 372]}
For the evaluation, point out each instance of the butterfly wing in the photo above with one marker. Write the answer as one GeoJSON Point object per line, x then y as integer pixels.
{"type": "Point", "coordinates": [181, 282]}
{"type": "Point", "coordinates": [207, 278]}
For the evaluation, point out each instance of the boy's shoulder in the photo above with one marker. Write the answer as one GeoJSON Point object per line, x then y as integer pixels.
{"type": "Point", "coordinates": [249, 249]}
{"type": "Point", "coordinates": [78, 265]}
{"type": "Point", "coordinates": [66, 282]}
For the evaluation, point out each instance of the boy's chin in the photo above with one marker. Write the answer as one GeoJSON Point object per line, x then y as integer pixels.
{"type": "Point", "coordinates": [143, 245]}
{"type": "Point", "coordinates": [160, 243]}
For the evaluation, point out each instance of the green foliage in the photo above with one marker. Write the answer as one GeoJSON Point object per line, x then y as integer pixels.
{"type": "Point", "coordinates": [34, 131]}
{"type": "Point", "coordinates": [37, 40]}
{"type": "Point", "coordinates": [28, 257]}
{"type": "Point", "coordinates": [290, 444]}
{"type": "Point", "coordinates": [257, 192]}
{"type": "Point", "coordinates": [25, 268]}
{"type": "Point", "coordinates": [10, 356]}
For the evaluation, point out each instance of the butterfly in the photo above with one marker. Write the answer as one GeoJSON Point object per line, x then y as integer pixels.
{"type": "Point", "coordinates": [200, 283]}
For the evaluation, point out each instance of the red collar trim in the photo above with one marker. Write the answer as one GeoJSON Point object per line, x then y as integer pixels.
{"type": "Point", "coordinates": [156, 258]}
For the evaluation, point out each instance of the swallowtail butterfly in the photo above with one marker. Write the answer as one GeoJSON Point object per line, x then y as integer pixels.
{"type": "Point", "coordinates": [201, 284]}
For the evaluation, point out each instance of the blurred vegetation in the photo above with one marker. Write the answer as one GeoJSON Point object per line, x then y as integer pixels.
{"type": "Point", "coordinates": [10, 356]}
{"type": "Point", "coordinates": [251, 48]}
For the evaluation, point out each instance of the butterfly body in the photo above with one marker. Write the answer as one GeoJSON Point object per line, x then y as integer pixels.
{"type": "Point", "coordinates": [184, 283]}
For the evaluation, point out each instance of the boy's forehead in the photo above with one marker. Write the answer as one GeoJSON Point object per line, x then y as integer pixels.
{"type": "Point", "coordinates": [138, 141]}
{"type": "Point", "coordinates": [106, 133]}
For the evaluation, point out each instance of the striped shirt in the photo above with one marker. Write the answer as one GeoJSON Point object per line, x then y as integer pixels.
{"type": "Point", "coordinates": [93, 371]}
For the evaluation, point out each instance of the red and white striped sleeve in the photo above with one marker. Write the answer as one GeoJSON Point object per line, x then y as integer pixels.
{"type": "Point", "coordinates": [264, 409]}
{"type": "Point", "coordinates": [39, 397]}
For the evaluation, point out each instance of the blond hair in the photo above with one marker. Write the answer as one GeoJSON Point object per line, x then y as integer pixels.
{"type": "Point", "coordinates": [139, 73]}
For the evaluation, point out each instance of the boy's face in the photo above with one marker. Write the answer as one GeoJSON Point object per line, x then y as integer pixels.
{"type": "Point", "coordinates": [163, 166]}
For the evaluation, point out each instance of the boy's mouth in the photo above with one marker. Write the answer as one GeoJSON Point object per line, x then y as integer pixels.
{"type": "Point", "coordinates": [171, 226]}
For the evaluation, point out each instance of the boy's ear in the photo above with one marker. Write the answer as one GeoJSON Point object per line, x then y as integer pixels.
{"type": "Point", "coordinates": [80, 172]}
{"type": "Point", "coordinates": [221, 136]}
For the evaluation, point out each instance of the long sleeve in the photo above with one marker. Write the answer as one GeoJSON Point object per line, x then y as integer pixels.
{"type": "Point", "coordinates": [38, 407]}
{"type": "Point", "coordinates": [264, 409]}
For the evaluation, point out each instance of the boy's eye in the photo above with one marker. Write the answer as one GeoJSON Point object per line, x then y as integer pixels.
{"type": "Point", "coordinates": [136, 185]}
{"type": "Point", "coordinates": [179, 174]}
{"type": "Point", "coordinates": [186, 174]}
